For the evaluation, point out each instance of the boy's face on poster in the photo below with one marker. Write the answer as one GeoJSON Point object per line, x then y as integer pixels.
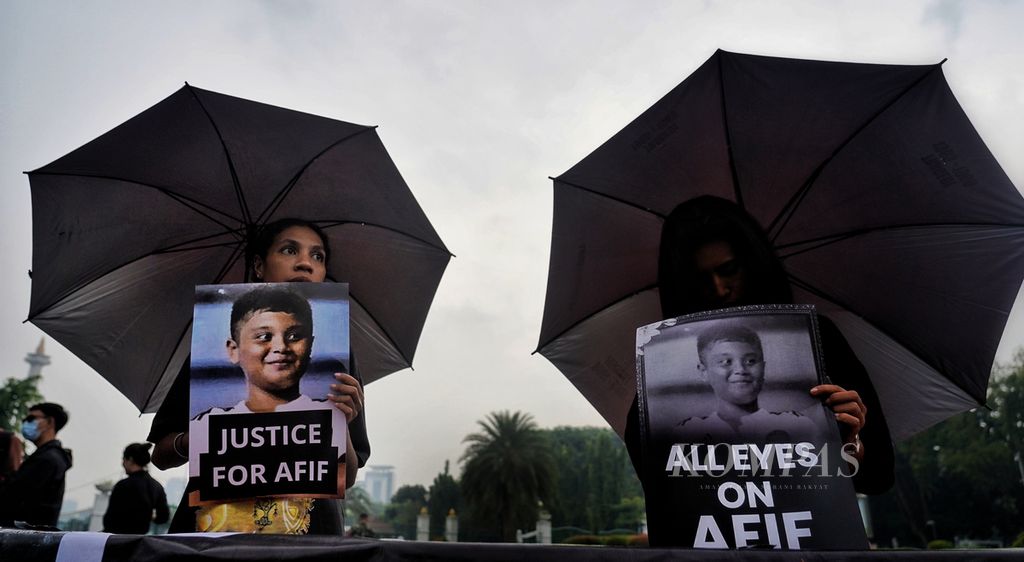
{"type": "Point", "coordinates": [273, 349]}
{"type": "Point", "coordinates": [735, 371]}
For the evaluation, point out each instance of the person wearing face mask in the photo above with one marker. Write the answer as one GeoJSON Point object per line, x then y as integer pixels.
{"type": "Point", "coordinates": [35, 493]}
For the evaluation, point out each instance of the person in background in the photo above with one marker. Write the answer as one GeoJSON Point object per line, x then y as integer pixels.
{"type": "Point", "coordinates": [138, 500]}
{"type": "Point", "coordinates": [362, 528]}
{"type": "Point", "coordinates": [11, 455]}
{"type": "Point", "coordinates": [35, 492]}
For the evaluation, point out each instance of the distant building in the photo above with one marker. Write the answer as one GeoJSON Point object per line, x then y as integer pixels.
{"type": "Point", "coordinates": [379, 483]}
{"type": "Point", "coordinates": [74, 520]}
{"type": "Point", "coordinates": [71, 518]}
{"type": "Point", "coordinates": [36, 361]}
{"type": "Point", "coordinates": [99, 505]}
{"type": "Point", "coordinates": [174, 488]}
{"type": "Point", "coordinates": [69, 505]}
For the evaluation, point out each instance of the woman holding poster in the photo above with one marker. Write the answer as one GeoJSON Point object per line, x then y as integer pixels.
{"type": "Point", "coordinates": [288, 250]}
{"type": "Point", "coordinates": [714, 255]}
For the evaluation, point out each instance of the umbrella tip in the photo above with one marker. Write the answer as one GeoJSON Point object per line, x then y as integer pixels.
{"type": "Point", "coordinates": [941, 62]}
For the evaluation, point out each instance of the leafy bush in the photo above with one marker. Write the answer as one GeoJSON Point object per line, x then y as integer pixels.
{"type": "Point", "coordinates": [641, 540]}
{"type": "Point", "coordinates": [939, 544]}
{"type": "Point", "coordinates": [616, 540]}
{"type": "Point", "coordinates": [584, 539]}
{"type": "Point", "coordinates": [1019, 541]}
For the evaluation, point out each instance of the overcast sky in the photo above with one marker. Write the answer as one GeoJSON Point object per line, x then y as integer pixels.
{"type": "Point", "coordinates": [478, 104]}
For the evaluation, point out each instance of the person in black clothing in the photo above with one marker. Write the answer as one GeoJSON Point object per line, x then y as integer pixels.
{"type": "Point", "coordinates": [714, 255]}
{"type": "Point", "coordinates": [11, 454]}
{"type": "Point", "coordinates": [35, 493]}
{"type": "Point", "coordinates": [138, 500]}
{"type": "Point", "coordinates": [287, 250]}
{"type": "Point", "coordinates": [362, 528]}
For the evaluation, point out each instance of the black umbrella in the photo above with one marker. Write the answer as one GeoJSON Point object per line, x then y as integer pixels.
{"type": "Point", "coordinates": [889, 213]}
{"type": "Point", "coordinates": [126, 226]}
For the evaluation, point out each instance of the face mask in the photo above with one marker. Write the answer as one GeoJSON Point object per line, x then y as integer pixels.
{"type": "Point", "coordinates": [30, 430]}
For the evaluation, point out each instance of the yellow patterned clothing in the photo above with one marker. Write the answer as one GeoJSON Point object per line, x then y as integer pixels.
{"type": "Point", "coordinates": [285, 516]}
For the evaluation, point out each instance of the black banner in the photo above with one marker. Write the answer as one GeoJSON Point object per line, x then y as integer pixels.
{"type": "Point", "coordinates": [279, 453]}
{"type": "Point", "coordinates": [737, 453]}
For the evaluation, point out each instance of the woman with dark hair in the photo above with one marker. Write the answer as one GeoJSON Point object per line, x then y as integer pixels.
{"type": "Point", "coordinates": [287, 250]}
{"type": "Point", "coordinates": [692, 278]}
{"type": "Point", "coordinates": [714, 255]}
{"type": "Point", "coordinates": [138, 500]}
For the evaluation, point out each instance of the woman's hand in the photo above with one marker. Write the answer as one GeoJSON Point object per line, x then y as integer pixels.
{"type": "Point", "coordinates": [347, 395]}
{"type": "Point", "coordinates": [171, 451]}
{"type": "Point", "coordinates": [849, 409]}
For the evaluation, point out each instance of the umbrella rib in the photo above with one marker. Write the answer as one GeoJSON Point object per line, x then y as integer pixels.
{"type": "Point", "coordinates": [606, 196]}
{"type": "Point", "coordinates": [171, 249]}
{"type": "Point", "coordinates": [822, 241]}
{"type": "Point", "coordinates": [200, 208]}
{"type": "Point", "coordinates": [427, 243]}
{"type": "Point", "coordinates": [728, 137]}
{"type": "Point", "coordinates": [541, 346]}
{"type": "Point", "coordinates": [239, 195]}
{"type": "Point", "coordinates": [227, 265]}
{"type": "Point", "coordinates": [184, 246]}
{"type": "Point", "coordinates": [775, 228]}
{"type": "Point", "coordinates": [380, 326]}
{"type": "Point", "coordinates": [279, 198]}
{"type": "Point", "coordinates": [149, 397]}
{"type": "Point", "coordinates": [797, 282]}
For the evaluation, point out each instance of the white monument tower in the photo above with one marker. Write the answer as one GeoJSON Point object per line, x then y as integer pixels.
{"type": "Point", "coordinates": [36, 361]}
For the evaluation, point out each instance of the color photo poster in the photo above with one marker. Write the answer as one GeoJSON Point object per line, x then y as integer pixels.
{"type": "Point", "coordinates": [263, 359]}
{"type": "Point", "coordinates": [737, 453]}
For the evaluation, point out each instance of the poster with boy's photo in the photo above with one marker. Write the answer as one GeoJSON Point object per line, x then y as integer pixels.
{"type": "Point", "coordinates": [263, 359]}
{"type": "Point", "coordinates": [739, 453]}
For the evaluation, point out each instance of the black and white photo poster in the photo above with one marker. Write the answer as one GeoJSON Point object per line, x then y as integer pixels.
{"type": "Point", "coordinates": [739, 453]}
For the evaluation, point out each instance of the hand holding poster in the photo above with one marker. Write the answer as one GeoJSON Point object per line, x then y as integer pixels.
{"type": "Point", "coordinates": [263, 359]}
{"type": "Point", "coordinates": [740, 454]}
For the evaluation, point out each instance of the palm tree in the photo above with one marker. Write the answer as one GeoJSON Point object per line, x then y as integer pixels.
{"type": "Point", "coordinates": [507, 469]}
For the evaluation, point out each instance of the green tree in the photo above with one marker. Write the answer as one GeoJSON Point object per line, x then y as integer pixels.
{"type": "Point", "coordinates": [358, 500]}
{"type": "Point", "coordinates": [629, 513]}
{"type": "Point", "coordinates": [507, 470]}
{"type": "Point", "coordinates": [16, 395]}
{"type": "Point", "coordinates": [414, 494]}
{"type": "Point", "coordinates": [405, 507]}
{"type": "Point", "coordinates": [960, 478]}
{"type": "Point", "coordinates": [1005, 421]}
{"type": "Point", "coordinates": [444, 495]}
{"type": "Point", "coordinates": [595, 486]}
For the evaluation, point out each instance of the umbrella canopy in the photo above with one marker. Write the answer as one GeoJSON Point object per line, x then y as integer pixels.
{"type": "Point", "coordinates": [887, 209]}
{"type": "Point", "coordinates": [126, 226]}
